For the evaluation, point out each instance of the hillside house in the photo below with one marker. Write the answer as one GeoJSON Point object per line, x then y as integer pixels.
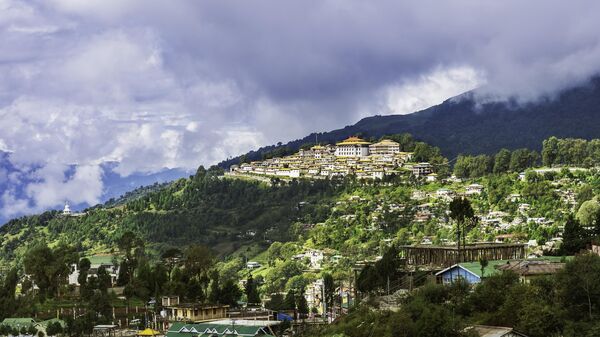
{"type": "Point", "coordinates": [495, 331]}
{"type": "Point", "coordinates": [474, 189]}
{"type": "Point", "coordinates": [253, 265]}
{"type": "Point", "coordinates": [530, 269]}
{"type": "Point", "coordinates": [468, 271]}
{"type": "Point", "coordinates": [96, 262]}
{"type": "Point", "coordinates": [422, 169]}
{"type": "Point", "coordinates": [191, 312]}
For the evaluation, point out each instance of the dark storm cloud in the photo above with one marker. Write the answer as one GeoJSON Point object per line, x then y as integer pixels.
{"type": "Point", "coordinates": [154, 84]}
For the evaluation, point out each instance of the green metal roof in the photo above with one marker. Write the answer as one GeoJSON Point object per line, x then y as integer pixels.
{"type": "Point", "coordinates": [18, 321]}
{"type": "Point", "coordinates": [475, 267]}
{"type": "Point", "coordinates": [53, 320]}
{"type": "Point", "coordinates": [220, 329]}
{"type": "Point", "coordinates": [100, 259]}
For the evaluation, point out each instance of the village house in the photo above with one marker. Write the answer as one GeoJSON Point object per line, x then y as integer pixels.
{"type": "Point", "coordinates": [253, 265]}
{"type": "Point", "coordinates": [431, 177]}
{"type": "Point", "coordinates": [495, 331]}
{"type": "Point", "coordinates": [191, 312]}
{"type": "Point", "coordinates": [469, 271]}
{"type": "Point", "coordinates": [96, 262]}
{"type": "Point", "coordinates": [530, 269]}
{"type": "Point", "coordinates": [474, 189]}
{"type": "Point", "coordinates": [422, 169]}
{"type": "Point", "coordinates": [314, 257]}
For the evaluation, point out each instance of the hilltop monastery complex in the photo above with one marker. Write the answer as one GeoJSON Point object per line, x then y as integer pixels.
{"type": "Point", "coordinates": [351, 156]}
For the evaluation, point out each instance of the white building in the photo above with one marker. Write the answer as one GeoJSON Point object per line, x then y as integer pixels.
{"type": "Point", "coordinates": [474, 189]}
{"type": "Point", "coordinates": [352, 147]}
{"type": "Point", "coordinates": [422, 169]}
{"type": "Point", "coordinates": [384, 147]}
{"type": "Point", "coordinates": [111, 269]}
{"type": "Point", "coordinates": [67, 209]}
{"type": "Point", "coordinates": [253, 265]}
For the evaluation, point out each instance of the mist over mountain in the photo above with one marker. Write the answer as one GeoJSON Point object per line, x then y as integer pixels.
{"type": "Point", "coordinates": [467, 124]}
{"type": "Point", "coordinates": [113, 185]}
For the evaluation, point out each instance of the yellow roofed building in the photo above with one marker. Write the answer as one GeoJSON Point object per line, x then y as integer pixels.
{"type": "Point", "coordinates": [384, 147]}
{"type": "Point", "coordinates": [352, 147]}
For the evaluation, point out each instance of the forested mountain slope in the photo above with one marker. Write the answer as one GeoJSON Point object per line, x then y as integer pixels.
{"type": "Point", "coordinates": [204, 209]}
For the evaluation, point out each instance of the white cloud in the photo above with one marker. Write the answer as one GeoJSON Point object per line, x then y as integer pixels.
{"type": "Point", "coordinates": [430, 89]}
{"type": "Point", "coordinates": [154, 84]}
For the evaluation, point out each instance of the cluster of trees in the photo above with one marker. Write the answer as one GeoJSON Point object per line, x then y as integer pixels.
{"type": "Point", "coordinates": [52, 329]}
{"type": "Point", "coordinates": [467, 166]}
{"type": "Point", "coordinates": [567, 304]}
{"type": "Point", "coordinates": [555, 151]}
{"type": "Point", "coordinates": [570, 151]}
{"type": "Point", "coordinates": [191, 274]}
{"type": "Point", "coordinates": [376, 277]}
{"type": "Point", "coordinates": [8, 301]}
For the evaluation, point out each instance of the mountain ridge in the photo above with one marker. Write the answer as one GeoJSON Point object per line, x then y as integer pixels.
{"type": "Point", "coordinates": [462, 124]}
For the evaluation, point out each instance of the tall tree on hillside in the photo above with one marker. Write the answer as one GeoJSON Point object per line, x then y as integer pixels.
{"type": "Point", "coordinates": [251, 290]}
{"type": "Point", "coordinates": [388, 266]}
{"type": "Point", "coordinates": [461, 212]}
{"type": "Point", "coordinates": [329, 291]}
{"type": "Point", "coordinates": [502, 161]}
{"type": "Point", "coordinates": [289, 302]}
{"type": "Point", "coordinates": [549, 151]}
{"type": "Point", "coordinates": [8, 286]}
{"type": "Point", "coordinates": [579, 288]}
{"type": "Point", "coordinates": [197, 260]}
{"type": "Point", "coordinates": [230, 293]}
{"type": "Point", "coordinates": [574, 237]}
{"type": "Point", "coordinates": [302, 304]}
{"type": "Point", "coordinates": [84, 289]}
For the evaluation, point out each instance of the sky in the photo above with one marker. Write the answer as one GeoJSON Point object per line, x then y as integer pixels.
{"type": "Point", "coordinates": [152, 85]}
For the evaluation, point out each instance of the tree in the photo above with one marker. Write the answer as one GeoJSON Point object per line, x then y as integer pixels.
{"type": "Point", "coordinates": [388, 265]}
{"type": "Point", "coordinates": [289, 303]}
{"type": "Point", "coordinates": [579, 287]}
{"type": "Point", "coordinates": [368, 279]}
{"type": "Point", "coordinates": [461, 212]}
{"type": "Point", "coordinates": [84, 267]}
{"type": "Point", "coordinates": [302, 304]}
{"type": "Point", "coordinates": [276, 302]}
{"type": "Point", "coordinates": [502, 161]}
{"type": "Point", "coordinates": [523, 158]}
{"type": "Point", "coordinates": [329, 290]}
{"type": "Point", "coordinates": [230, 293]}
{"type": "Point", "coordinates": [274, 253]}
{"type": "Point", "coordinates": [215, 290]}
{"type": "Point", "coordinates": [588, 213]}
{"type": "Point", "coordinates": [483, 263]}
{"type": "Point", "coordinates": [8, 286]}
{"type": "Point", "coordinates": [197, 259]}
{"type": "Point", "coordinates": [549, 151]}
{"type": "Point", "coordinates": [252, 295]}
{"type": "Point", "coordinates": [49, 268]}
{"type": "Point", "coordinates": [574, 237]}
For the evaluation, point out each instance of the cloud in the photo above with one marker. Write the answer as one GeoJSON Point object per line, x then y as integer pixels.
{"type": "Point", "coordinates": [153, 84]}
{"type": "Point", "coordinates": [431, 89]}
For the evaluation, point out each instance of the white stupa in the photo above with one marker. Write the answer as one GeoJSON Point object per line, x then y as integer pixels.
{"type": "Point", "coordinates": [67, 209]}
